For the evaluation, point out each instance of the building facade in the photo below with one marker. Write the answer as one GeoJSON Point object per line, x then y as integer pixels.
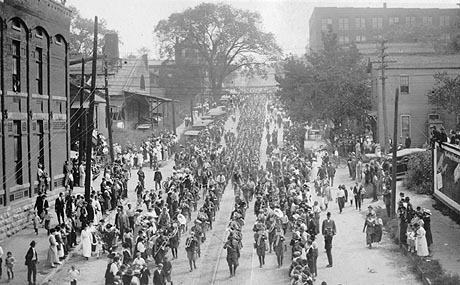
{"type": "Point", "coordinates": [34, 103]}
{"type": "Point", "coordinates": [413, 75]}
{"type": "Point", "coordinates": [366, 25]}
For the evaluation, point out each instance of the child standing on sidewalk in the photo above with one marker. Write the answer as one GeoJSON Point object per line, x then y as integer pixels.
{"type": "Point", "coordinates": [47, 219]}
{"type": "Point", "coordinates": [9, 263]}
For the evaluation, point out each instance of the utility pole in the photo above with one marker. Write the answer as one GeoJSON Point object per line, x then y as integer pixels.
{"type": "Point", "coordinates": [383, 65]}
{"type": "Point", "coordinates": [173, 118]}
{"type": "Point", "coordinates": [107, 111]}
{"type": "Point", "coordinates": [393, 162]}
{"type": "Point", "coordinates": [191, 109]}
{"type": "Point", "coordinates": [90, 122]}
{"type": "Point", "coordinates": [81, 92]}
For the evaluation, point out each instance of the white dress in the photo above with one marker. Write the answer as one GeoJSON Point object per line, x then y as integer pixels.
{"type": "Point", "coordinates": [421, 245]}
{"type": "Point", "coordinates": [86, 239]}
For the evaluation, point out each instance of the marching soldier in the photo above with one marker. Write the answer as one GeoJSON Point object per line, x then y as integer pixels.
{"type": "Point", "coordinates": [233, 253]}
{"type": "Point", "coordinates": [191, 246]}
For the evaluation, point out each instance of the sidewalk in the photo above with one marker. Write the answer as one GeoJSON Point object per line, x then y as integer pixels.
{"type": "Point", "coordinates": [18, 244]}
{"type": "Point", "coordinates": [446, 232]}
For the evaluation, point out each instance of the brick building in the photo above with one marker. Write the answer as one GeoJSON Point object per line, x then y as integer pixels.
{"type": "Point", "coordinates": [34, 103]}
{"type": "Point", "coordinates": [366, 25]}
{"type": "Point", "coordinates": [413, 75]}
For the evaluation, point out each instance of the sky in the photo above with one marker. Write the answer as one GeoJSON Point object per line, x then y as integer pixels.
{"type": "Point", "coordinates": [135, 20]}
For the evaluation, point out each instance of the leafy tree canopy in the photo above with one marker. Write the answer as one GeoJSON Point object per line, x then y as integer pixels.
{"type": "Point", "coordinates": [82, 34]}
{"type": "Point", "coordinates": [329, 84]}
{"type": "Point", "coordinates": [227, 39]}
{"type": "Point", "coordinates": [446, 92]}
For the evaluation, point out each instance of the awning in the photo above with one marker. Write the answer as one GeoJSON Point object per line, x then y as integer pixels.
{"type": "Point", "coordinates": [201, 124]}
{"type": "Point", "coordinates": [191, 133]}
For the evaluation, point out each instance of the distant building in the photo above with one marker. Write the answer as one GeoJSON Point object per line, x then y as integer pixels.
{"type": "Point", "coordinates": [133, 97]}
{"type": "Point", "coordinates": [365, 25]}
{"type": "Point", "coordinates": [34, 103]}
{"type": "Point", "coordinates": [413, 76]}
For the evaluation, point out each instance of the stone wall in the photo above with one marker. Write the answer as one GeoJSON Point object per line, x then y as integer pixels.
{"type": "Point", "coordinates": [18, 216]}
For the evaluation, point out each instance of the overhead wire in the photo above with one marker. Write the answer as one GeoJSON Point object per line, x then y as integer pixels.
{"type": "Point", "coordinates": [13, 175]}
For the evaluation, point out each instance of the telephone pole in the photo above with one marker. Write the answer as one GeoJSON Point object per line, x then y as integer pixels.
{"type": "Point", "coordinates": [383, 64]}
{"type": "Point", "coordinates": [81, 92]}
{"type": "Point", "coordinates": [108, 114]}
{"type": "Point", "coordinates": [393, 162]}
{"type": "Point", "coordinates": [90, 121]}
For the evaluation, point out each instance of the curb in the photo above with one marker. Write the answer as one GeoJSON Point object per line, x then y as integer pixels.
{"type": "Point", "coordinates": [425, 279]}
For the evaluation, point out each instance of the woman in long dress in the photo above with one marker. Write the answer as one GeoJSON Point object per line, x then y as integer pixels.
{"type": "Point", "coordinates": [86, 240]}
{"type": "Point", "coordinates": [52, 250]}
{"type": "Point", "coordinates": [421, 245]}
{"type": "Point", "coordinates": [369, 228]}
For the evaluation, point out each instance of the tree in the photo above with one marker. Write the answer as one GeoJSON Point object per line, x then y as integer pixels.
{"type": "Point", "coordinates": [82, 34]}
{"type": "Point", "coordinates": [226, 39]}
{"type": "Point", "coordinates": [446, 92]}
{"type": "Point", "coordinates": [331, 84]}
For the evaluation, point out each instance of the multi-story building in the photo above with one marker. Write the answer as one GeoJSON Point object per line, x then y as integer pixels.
{"type": "Point", "coordinates": [34, 89]}
{"type": "Point", "coordinates": [413, 75]}
{"type": "Point", "coordinates": [366, 25]}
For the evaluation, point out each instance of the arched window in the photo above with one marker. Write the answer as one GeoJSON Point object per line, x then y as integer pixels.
{"type": "Point", "coordinates": [142, 82]}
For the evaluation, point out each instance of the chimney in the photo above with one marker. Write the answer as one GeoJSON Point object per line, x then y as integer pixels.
{"type": "Point", "coordinates": [384, 5]}
{"type": "Point", "coordinates": [111, 47]}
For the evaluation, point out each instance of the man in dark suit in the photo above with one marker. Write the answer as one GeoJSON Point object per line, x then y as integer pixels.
{"type": "Point", "coordinates": [328, 230]}
{"type": "Point", "coordinates": [59, 206]}
{"type": "Point", "coordinates": [121, 221]}
{"type": "Point", "coordinates": [159, 275]}
{"type": "Point", "coordinates": [31, 263]}
{"type": "Point", "coordinates": [39, 205]}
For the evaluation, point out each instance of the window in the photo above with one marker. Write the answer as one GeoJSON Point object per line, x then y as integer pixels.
{"type": "Point", "coordinates": [343, 24]}
{"type": "Point", "coordinates": [394, 20]}
{"type": "Point", "coordinates": [58, 40]}
{"type": "Point", "coordinates": [405, 126]}
{"type": "Point", "coordinates": [360, 23]}
{"type": "Point", "coordinates": [326, 24]}
{"type": "Point", "coordinates": [410, 21]}
{"type": "Point", "coordinates": [444, 21]}
{"type": "Point", "coordinates": [434, 117]}
{"type": "Point", "coordinates": [377, 23]}
{"type": "Point", "coordinates": [344, 40]}
{"type": "Point", "coordinates": [16, 25]}
{"type": "Point", "coordinates": [404, 85]}
{"type": "Point", "coordinates": [16, 54]}
{"type": "Point", "coordinates": [427, 20]}
{"type": "Point", "coordinates": [142, 82]}
{"type": "Point", "coordinates": [39, 65]}
{"type": "Point", "coordinates": [17, 145]}
{"type": "Point", "coordinates": [360, 39]}
{"type": "Point", "coordinates": [41, 142]}
{"type": "Point", "coordinates": [39, 34]}
{"type": "Point", "coordinates": [445, 38]}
